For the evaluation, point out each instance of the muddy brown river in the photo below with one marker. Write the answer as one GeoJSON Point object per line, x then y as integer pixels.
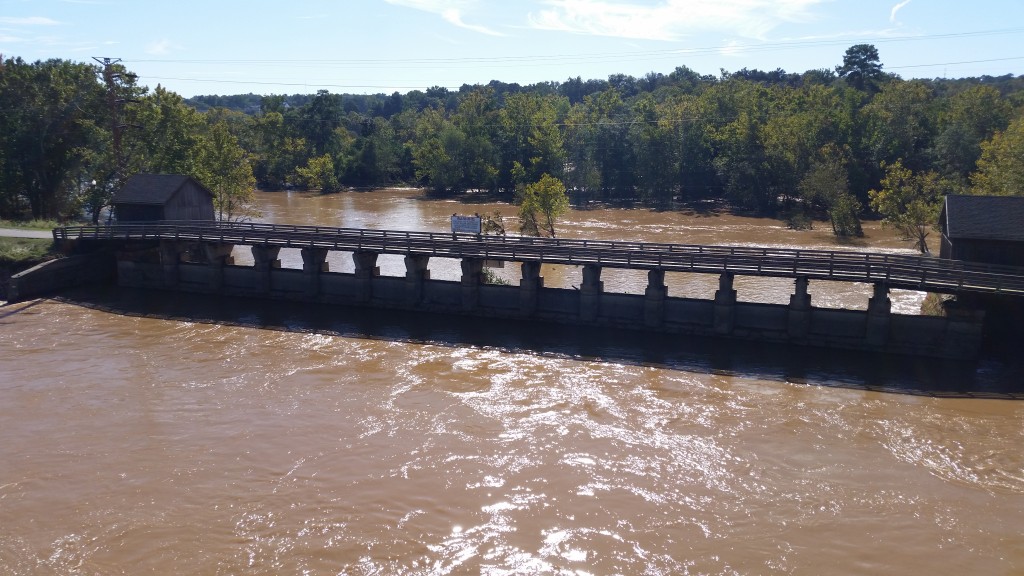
{"type": "Point", "coordinates": [148, 434]}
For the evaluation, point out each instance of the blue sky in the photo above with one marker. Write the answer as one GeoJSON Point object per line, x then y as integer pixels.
{"type": "Point", "coordinates": [371, 46]}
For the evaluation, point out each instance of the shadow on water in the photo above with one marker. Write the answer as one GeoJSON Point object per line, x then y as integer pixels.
{"type": "Point", "coordinates": [986, 378]}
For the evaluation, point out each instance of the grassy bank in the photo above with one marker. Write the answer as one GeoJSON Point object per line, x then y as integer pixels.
{"type": "Point", "coordinates": [18, 254]}
{"type": "Point", "coordinates": [24, 251]}
{"type": "Point", "coordinates": [30, 224]}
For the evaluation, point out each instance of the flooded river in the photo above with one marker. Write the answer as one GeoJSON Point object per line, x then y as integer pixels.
{"type": "Point", "coordinates": [281, 439]}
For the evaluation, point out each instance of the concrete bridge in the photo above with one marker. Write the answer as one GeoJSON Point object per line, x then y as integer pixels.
{"type": "Point", "coordinates": [196, 257]}
{"type": "Point", "coordinates": [890, 270]}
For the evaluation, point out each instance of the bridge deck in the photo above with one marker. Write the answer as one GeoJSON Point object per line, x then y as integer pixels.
{"type": "Point", "coordinates": [896, 271]}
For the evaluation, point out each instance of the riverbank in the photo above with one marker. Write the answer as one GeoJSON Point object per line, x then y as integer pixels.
{"type": "Point", "coordinates": [21, 253]}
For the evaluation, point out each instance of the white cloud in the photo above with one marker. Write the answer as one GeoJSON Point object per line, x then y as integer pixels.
{"type": "Point", "coordinates": [28, 21]}
{"type": "Point", "coordinates": [731, 49]}
{"type": "Point", "coordinates": [670, 19]}
{"type": "Point", "coordinates": [452, 11]}
{"type": "Point", "coordinates": [160, 47]}
{"type": "Point", "coordinates": [896, 8]}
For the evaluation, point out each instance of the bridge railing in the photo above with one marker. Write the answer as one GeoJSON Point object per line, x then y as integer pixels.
{"type": "Point", "coordinates": [926, 273]}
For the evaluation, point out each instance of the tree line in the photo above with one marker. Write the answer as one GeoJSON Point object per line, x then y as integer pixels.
{"type": "Point", "coordinates": [71, 134]}
{"type": "Point", "coordinates": [838, 144]}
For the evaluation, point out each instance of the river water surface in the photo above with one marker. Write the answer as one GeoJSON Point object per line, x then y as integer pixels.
{"type": "Point", "coordinates": [270, 441]}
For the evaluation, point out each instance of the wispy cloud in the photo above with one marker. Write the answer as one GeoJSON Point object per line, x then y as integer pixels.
{"type": "Point", "coordinates": [160, 47]}
{"type": "Point", "coordinates": [732, 49]}
{"type": "Point", "coordinates": [28, 21]}
{"type": "Point", "coordinates": [670, 19]}
{"type": "Point", "coordinates": [896, 8]}
{"type": "Point", "coordinates": [452, 11]}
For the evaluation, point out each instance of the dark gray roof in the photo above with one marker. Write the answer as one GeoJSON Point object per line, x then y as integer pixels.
{"type": "Point", "coordinates": [153, 188]}
{"type": "Point", "coordinates": [984, 217]}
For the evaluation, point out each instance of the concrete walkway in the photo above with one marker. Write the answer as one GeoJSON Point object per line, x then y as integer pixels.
{"type": "Point", "coordinates": [24, 233]}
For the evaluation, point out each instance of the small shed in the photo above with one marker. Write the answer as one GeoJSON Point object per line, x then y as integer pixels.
{"type": "Point", "coordinates": [986, 229]}
{"type": "Point", "coordinates": [150, 197]}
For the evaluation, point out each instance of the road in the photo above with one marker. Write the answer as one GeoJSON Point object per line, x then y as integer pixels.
{"type": "Point", "coordinates": [23, 233]}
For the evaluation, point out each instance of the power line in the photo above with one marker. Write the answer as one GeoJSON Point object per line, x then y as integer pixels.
{"type": "Point", "coordinates": [956, 63]}
{"type": "Point", "coordinates": [313, 84]}
{"type": "Point", "coordinates": [303, 84]}
{"type": "Point", "coordinates": [533, 60]}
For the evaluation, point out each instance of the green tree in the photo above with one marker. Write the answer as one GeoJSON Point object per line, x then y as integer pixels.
{"type": "Point", "coordinates": [862, 67]}
{"type": "Point", "coordinates": [968, 119]}
{"type": "Point", "coordinates": [741, 159]}
{"type": "Point", "coordinates": [909, 203]}
{"type": "Point", "coordinates": [475, 147]}
{"type": "Point", "coordinates": [827, 183]}
{"type": "Point", "coordinates": [900, 124]}
{"type": "Point", "coordinates": [319, 174]}
{"type": "Point", "coordinates": [436, 149]}
{"type": "Point", "coordinates": [275, 150]}
{"type": "Point", "coordinates": [597, 148]}
{"type": "Point", "coordinates": [689, 120]}
{"type": "Point", "coordinates": [530, 135]}
{"type": "Point", "coordinates": [50, 126]}
{"type": "Point", "coordinates": [228, 174]}
{"type": "Point", "coordinates": [107, 161]}
{"type": "Point", "coordinates": [376, 154]}
{"type": "Point", "coordinates": [1001, 166]}
{"type": "Point", "coordinates": [543, 202]}
{"type": "Point", "coordinates": [652, 139]}
{"type": "Point", "coordinates": [320, 120]}
{"type": "Point", "coordinates": [171, 138]}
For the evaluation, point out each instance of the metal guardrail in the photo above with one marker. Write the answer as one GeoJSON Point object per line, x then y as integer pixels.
{"type": "Point", "coordinates": [895, 270]}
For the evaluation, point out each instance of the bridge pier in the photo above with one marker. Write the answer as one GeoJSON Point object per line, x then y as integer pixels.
{"type": "Point", "coordinates": [964, 332]}
{"type": "Point", "coordinates": [170, 259]}
{"type": "Point", "coordinates": [472, 274]}
{"type": "Point", "coordinates": [314, 261]}
{"type": "Point", "coordinates": [366, 271]}
{"type": "Point", "coordinates": [799, 315]}
{"type": "Point", "coordinates": [529, 287]}
{"type": "Point", "coordinates": [590, 293]}
{"type": "Point", "coordinates": [654, 299]}
{"type": "Point", "coordinates": [218, 256]}
{"type": "Point", "coordinates": [264, 261]}
{"type": "Point", "coordinates": [725, 305]}
{"type": "Point", "coordinates": [415, 274]}
{"type": "Point", "coordinates": [876, 331]}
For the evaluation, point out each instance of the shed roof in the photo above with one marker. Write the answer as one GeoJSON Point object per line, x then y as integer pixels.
{"type": "Point", "coordinates": [984, 217]}
{"type": "Point", "coordinates": [153, 188]}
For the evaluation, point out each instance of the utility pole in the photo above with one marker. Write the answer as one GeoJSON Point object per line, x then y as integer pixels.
{"type": "Point", "coordinates": [114, 104]}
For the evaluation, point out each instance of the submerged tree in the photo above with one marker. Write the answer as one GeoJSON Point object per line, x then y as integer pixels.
{"type": "Point", "coordinates": [542, 203]}
{"type": "Point", "coordinates": [827, 183]}
{"type": "Point", "coordinates": [319, 174]}
{"type": "Point", "coordinates": [229, 175]}
{"type": "Point", "coordinates": [910, 203]}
